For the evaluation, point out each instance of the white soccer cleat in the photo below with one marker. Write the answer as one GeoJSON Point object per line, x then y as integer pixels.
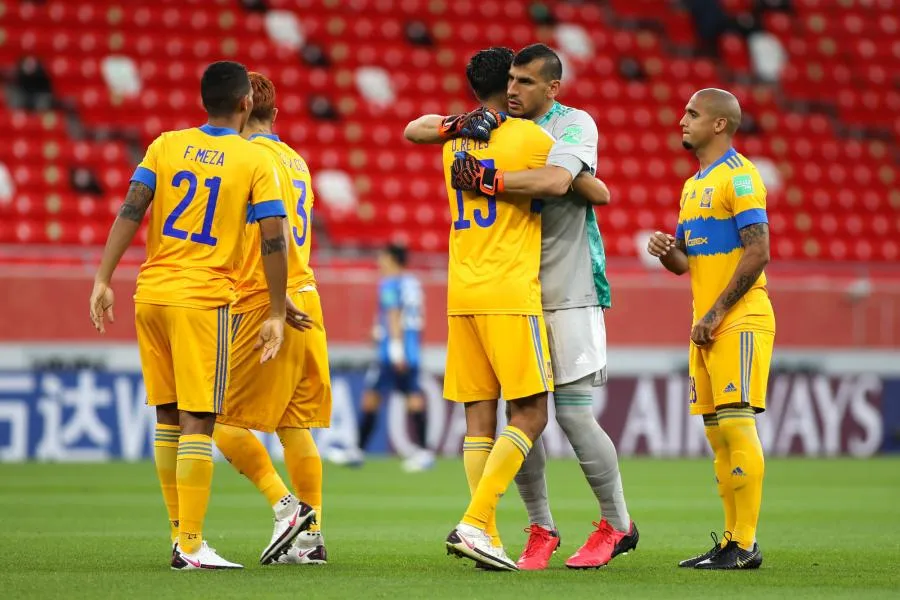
{"type": "Point", "coordinates": [421, 460]}
{"type": "Point", "coordinates": [286, 530]}
{"type": "Point", "coordinates": [308, 549]}
{"type": "Point", "coordinates": [204, 558]}
{"type": "Point", "coordinates": [346, 457]}
{"type": "Point", "coordinates": [470, 542]}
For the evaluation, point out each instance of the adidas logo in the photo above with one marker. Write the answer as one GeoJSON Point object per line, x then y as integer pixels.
{"type": "Point", "coordinates": [730, 388]}
{"type": "Point", "coordinates": [581, 360]}
{"type": "Point", "coordinates": [738, 471]}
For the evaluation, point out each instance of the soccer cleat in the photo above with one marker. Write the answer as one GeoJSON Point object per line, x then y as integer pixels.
{"type": "Point", "coordinates": [286, 530]}
{"type": "Point", "coordinates": [308, 549]}
{"type": "Point", "coordinates": [421, 460]}
{"type": "Point", "coordinates": [541, 545]}
{"type": "Point", "coordinates": [204, 558]}
{"type": "Point", "coordinates": [732, 557]}
{"type": "Point", "coordinates": [467, 541]}
{"type": "Point", "coordinates": [346, 457]}
{"type": "Point", "coordinates": [603, 545]}
{"type": "Point", "coordinates": [717, 547]}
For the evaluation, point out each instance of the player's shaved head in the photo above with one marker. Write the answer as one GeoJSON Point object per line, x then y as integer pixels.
{"type": "Point", "coordinates": [721, 104]}
{"type": "Point", "coordinates": [223, 85]}
{"type": "Point", "coordinates": [263, 98]}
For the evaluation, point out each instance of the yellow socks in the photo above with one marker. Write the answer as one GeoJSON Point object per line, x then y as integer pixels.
{"type": "Point", "coordinates": [475, 454]}
{"type": "Point", "coordinates": [304, 465]}
{"type": "Point", "coordinates": [722, 466]}
{"type": "Point", "coordinates": [194, 476]}
{"type": "Point", "coordinates": [165, 451]}
{"type": "Point", "coordinates": [738, 427]}
{"type": "Point", "coordinates": [502, 464]}
{"type": "Point", "coordinates": [249, 456]}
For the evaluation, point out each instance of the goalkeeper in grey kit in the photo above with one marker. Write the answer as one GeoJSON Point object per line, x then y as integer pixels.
{"type": "Point", "coordinates": [575, 291]}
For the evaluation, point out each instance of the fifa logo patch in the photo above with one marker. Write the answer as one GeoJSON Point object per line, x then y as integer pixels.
{"type": "Point", "coordinates": [706, 199]}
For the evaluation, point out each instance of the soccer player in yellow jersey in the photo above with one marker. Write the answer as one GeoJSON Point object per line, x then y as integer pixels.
{"type": "Point", "coordinates": [496, 341]}
{"type": "Point", "coordinates": [722, 242]}
{"type": "Point", "coordinates": [293, 392]}
{"type": "Point", "coordinates": [204, 184]}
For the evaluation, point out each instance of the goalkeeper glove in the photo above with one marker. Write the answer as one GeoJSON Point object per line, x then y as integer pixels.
{"type": "Point", "coordinates": [477, 124]}
{"type": "Point", "coordinates": [467, 174]}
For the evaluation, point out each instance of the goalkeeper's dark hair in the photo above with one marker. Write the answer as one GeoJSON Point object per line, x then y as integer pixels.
{"type": "Point", "coordinates": [488, 72]}
{"type": "Point", "coordinates": [397, 252]}
{"type": "Point", "coordinates": [552, 67]}
{"type": "Point", "coordinates": [222, 86]}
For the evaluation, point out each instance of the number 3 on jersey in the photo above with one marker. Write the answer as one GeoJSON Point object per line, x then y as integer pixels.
{"type": "Point", "coordinates": [205, 235]}
{"type": "Point", "coordinates": [300, 238]}
{"type": "Point", "coordinates": [481, 220]}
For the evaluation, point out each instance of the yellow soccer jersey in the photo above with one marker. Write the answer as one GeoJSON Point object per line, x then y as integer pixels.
{"type": "Point", "coordinates": [495, 246]}
{"type": "Point", "coordinates": [715, 204]}
{"type": "Point", "coordinates": [296, 189]}
{"type": "Point", "coordinates": [207, 181]}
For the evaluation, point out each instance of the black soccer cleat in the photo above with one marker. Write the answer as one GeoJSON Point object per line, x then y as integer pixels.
{"type": "Point", "coordinates": [693, 562]}
{"type": "Point", "coordinates": [733, 558]}
{"type": "Point", "coordinates": [627, 543]}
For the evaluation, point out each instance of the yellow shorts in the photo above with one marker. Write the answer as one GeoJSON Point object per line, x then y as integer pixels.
{"type": "Point", "coordinates": [294, 389]}
{"type": "Point", "coordinates": [733, 369]}
{"type": "Point", "coordinates": [184, 355]}
{"type": "Point", "coordinates": [487, 354]}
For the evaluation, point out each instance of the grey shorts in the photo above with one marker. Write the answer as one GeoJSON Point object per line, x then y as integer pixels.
{"type": "Point", "coordinates": [577, 344]}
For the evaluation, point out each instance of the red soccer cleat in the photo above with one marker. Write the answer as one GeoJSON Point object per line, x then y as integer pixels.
{"type": "Point", "coordinates": [603, 545]}
{"type": "Point", "coordinates": [540, 546]}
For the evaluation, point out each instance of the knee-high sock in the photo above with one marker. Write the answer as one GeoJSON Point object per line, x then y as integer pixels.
{"type": "Point", "coordinates": [475, 454]}
{"type": "Point", "coordinates": [595, 450]}
{"type": "Point", "coordinates": [366, 427]}
{"type": "Point", "coordinates": [504, 461]}
{"type": "Point", "coordinates": [420, 426]}
{"type": "Point", "coordinates": [194, 475]}
{"type": "Point", "coordinates": [531, 480]}
{"type": "Point", "coordinates": [304, 464]}
{"type": "Point", "coordinates": [250, 458]}
{"type": "Point", "coordinates": [738, 426]}
{"type": "Point", "coordinates": [722, 467]}
{"type": "Point", "coordinates": [165, 452]}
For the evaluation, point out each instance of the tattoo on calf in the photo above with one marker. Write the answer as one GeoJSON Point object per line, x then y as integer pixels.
{"type": "Point", "coordinates": [271, 246]}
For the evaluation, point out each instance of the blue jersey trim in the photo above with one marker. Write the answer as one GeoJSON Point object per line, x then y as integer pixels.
{"type": "Point", "coordinates": [751, 216]}
{"type": "Point", "coordinates": [264, 210]}
{"type": "Point", "coordinates": [724, 158]}
{"type": "Point", "coordinates": [679, 231]}
{"type": "Point", "coordinates": [217, 131]}
{"type": "Point", "coordinates": [268, 136]}
{"type": "Point", "coordinates": [145, 176]}
{"type": "Point", "coordinates": [709, 236]}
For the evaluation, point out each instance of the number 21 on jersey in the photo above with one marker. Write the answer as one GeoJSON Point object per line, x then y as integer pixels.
{"type": "Point", "coordinates": [481, 219]}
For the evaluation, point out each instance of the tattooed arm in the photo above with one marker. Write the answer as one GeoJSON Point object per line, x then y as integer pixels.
{"type": "Point", "coordinates": [274, 256]}
{"type": "Point", "coordinates": [124, 228]}
{"type": "Point", "coordinates": [755, 240]}
{"type": "Point", "coordinates": [120, 235]}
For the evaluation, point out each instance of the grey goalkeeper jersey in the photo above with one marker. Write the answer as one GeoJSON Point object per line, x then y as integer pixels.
{"type": "Point", "coordinates": [573, 262]}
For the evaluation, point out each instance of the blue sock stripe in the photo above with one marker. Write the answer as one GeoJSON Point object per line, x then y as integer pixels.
{"type": "Point", "coordinates": [519, 439]}
{"type": "Point", "coordinates": [521, 447]}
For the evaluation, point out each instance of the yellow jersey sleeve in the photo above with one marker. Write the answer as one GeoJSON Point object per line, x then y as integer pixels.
{"type": "Point", "coordinates": [745, 196]}
{"type": "Point", "coordinates": [265, 192]}
{"type": "Point", "coordinates": [148, 168]}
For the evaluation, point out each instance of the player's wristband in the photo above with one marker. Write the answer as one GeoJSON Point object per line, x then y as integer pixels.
{"type": "Point", "coordinates": [396, 353]}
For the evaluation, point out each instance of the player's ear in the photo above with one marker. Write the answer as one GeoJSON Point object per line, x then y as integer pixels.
{"type": "Point", "coordinates": [274, 114]}
{"type": "Point", "coordinates": [553, 90]}
{"type": "Point", "coordinates": [720, 125]}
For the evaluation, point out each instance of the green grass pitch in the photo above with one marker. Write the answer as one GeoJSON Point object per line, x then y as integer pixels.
{"type": "Point", "coordinates": [830, 528]}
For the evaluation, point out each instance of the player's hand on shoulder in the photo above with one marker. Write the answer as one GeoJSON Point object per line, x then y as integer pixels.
{"type": "Point", "coordinates": [296, 318]}
{"type": "Point", "coordinates": [271, 336]}
{"type": "Point", "coordinates": [101, 305]}
{"type": "Point", "coordinates": [479, 123]}
{"type": "Point", "coordinates": [660, 244]}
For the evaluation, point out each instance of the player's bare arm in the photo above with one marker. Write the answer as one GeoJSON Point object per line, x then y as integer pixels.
{"type": "Point", "coordinates": [592, 189]}
{"type": "Point", "coordinates": [396, 351]}
{"type": "Point", "coordinates": [123, 230]}
{"type": "Point", "coordinates": [274, 256]}
{"type": "Point", "coordinates": [671, 252]}
{"type": "Point", "coordinates": [436, 129]}
{"type": "Point", "coordinates": [755, 240]}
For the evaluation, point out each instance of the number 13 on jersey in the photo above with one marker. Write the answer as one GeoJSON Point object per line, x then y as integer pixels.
{"type": "Point", "coordinates": [481, 219]}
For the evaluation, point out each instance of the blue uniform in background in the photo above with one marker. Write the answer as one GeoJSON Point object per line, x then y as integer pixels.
{"type": "Point", "coordinates": [403, 292]}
